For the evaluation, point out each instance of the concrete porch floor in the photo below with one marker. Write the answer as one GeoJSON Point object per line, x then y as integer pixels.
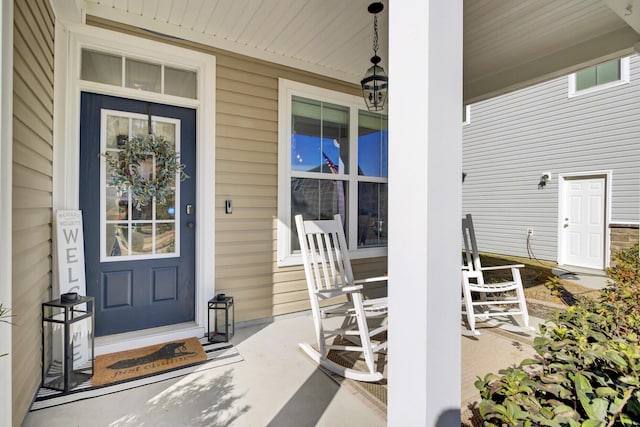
{"type": "Point", "coordinates": [275, 385]}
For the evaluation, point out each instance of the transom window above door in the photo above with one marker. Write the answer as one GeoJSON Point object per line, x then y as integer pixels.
{"type": "Point", "coordinates": [117, 70]}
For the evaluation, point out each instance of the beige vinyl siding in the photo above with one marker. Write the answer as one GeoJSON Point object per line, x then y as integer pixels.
{"type": "Point", "coordinates": [32, 192]}
{"type": "Point", "coordinates": [514, 138]}
{"type": "Point", "coordinates": [247, 172]}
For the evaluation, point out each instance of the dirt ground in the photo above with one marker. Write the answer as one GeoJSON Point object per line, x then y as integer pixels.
{"type": "Point", "coordinates": [534, 275]}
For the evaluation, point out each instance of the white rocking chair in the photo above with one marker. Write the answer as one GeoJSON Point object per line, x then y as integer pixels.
{"type": "Point", "coordinates": [489, 295]}
{"type": "Point", "coordinates": [328, 272]}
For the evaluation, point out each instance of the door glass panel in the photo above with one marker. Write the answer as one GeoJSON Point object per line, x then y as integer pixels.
{"type": "Point", "coordinates": [130, 230]}
{"type": "Point", "coordinates": [165, 238]}
{"type": "Point", "coordinates": [117, 131]}
{"type": "Point", "coordinates": [117, 206]}
{"type": "Point", "coordinates": [144, 212]}
{"type": "Point", "coordinates": [166, 210]}
{"type": "Point", "coordinates": [139, 128]}
{"type": "Point", "coordinates": [165, 130]}
{"type": "Point", "coordinates": [116, 238]}
{"type": "Point", "coordinates": [141, 239]}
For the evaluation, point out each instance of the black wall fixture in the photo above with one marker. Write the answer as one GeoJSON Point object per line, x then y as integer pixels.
{"type": "Point", "coordinates": [543, 181]}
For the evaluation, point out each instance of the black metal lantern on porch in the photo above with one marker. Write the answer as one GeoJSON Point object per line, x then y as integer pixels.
{"type": "Point", "coordinates": [220, 319]}
{"type": "Point", "coordinates": [67, 342]}
{"type": "Point", "coordinates": [375, 81]}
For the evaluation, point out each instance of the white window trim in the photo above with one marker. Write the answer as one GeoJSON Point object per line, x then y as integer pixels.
{"type": "Point", "coordinates": [70, 39]}
{"type": "Point", "coordinates": [287, 89]}
{"type": "Point", "coordinates": [624, 79]}
{"type": "Point", "coordinates": [467, 115]}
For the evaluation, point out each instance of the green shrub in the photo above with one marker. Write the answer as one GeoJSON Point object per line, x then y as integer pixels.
{"type": "Point", "coordinates": [587, 371]}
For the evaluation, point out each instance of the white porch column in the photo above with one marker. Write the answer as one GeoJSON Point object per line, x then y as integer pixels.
{"type": "Point", "coordinates": [6, 191]}
{"type": "Point", "coordinates": [425, 158]}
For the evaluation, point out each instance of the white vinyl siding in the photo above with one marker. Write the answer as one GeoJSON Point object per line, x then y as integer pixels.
{"type": "Point", "coordinates": [515, 138]}
{"type": "Point", "coordinates": [32, 193]}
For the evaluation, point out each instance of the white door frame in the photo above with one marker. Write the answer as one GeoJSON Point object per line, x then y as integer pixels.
{"type": "Point", "coordinates": [562, 241]}
{"type": "Point", "coordinates": [6, 205]}
{"type": "Point", "coordinates": [70, 39]}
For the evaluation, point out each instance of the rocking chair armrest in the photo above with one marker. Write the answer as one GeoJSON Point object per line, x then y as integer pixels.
{"type": "Point", "coordinates": [338, 292]}
{"type": "Point", "coordinates": [371, 280]}
{"type": "Point", "coordinates": [502, 267]}
{"type": "Point", "coordinates": [350, 289]}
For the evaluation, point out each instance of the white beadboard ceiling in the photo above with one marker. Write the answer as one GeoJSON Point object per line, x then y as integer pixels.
{"type": "Point", "coordinates": [332, 37]}
{"type": "Point", "coordinates": [507, 43]}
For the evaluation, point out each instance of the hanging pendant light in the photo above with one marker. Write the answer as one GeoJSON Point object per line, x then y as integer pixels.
{"type": "Point", "coordinates": [375, 81]}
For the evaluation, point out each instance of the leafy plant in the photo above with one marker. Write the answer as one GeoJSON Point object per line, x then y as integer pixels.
{"type": "Point", "coordinates": [587, 369]}
{"type": "Point", "coordinates": [626, 269]}
{"type": "Point", "coordinates": [554, 286]}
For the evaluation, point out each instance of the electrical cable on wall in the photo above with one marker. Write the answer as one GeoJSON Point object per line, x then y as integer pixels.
{"type": "Point", "coordinates": [532, 256]}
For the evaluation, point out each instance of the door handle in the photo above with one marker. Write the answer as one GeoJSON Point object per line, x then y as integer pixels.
{"type": "Point", "coordinates": [189, 209]}
{"type": "Point", "coordinates": [565, 226]}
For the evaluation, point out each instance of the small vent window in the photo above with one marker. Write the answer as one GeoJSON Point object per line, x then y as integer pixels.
{"type": "Point", "coordinates": [601, 76]}
{"type": "Point", "coordinates": [598, 75]}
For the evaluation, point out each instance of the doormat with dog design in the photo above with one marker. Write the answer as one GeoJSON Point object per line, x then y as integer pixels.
{"type": "Point", "coordinates": [125, 365]}
{"type": "Point", "coordinates": [217, 355]}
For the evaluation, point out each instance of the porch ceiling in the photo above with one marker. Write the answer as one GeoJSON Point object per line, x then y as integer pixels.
{"type": "Point", "coordinates": [508, 44]}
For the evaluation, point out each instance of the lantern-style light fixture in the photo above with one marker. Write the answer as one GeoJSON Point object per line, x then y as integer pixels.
{"type": "Point", "coordinates": [375, 81]}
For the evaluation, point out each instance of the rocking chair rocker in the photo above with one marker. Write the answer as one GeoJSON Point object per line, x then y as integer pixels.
{"type": "Point", "coordinates": [488, 295]}
{"type": "Point", "coordinates": [328, 273]}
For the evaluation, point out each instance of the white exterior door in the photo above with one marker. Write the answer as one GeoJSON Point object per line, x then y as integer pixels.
{"type": "Point", "coordinates": [582, 222]}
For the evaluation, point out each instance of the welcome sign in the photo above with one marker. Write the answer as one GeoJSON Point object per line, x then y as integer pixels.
{"type": "Point", "coordinates": [70, 245]}
{"type": "Point", "coordinates": [71, 278]}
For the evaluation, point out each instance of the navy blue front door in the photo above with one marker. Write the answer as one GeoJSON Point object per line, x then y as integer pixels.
{"type": "Point", "coordinates": [140, 262]}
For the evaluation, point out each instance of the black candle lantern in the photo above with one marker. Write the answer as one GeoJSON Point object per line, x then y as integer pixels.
{"type": "Point", "coordinates": [67, 342]}
{"type": "Point", "coordinates": [220, 319]}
